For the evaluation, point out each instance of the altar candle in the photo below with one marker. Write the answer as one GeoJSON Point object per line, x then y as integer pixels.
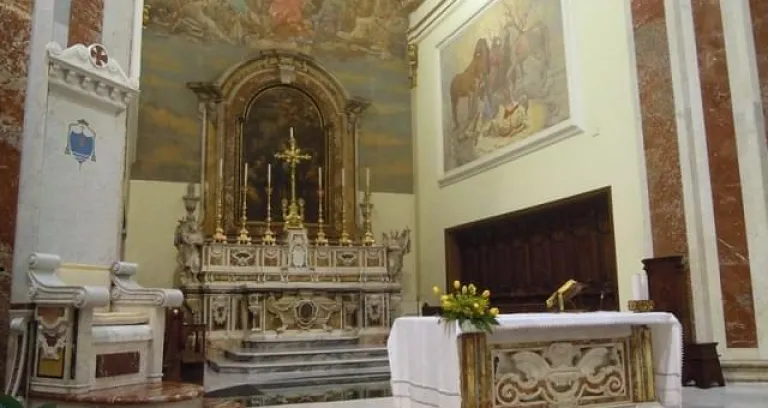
{"type": "Point", "coordinates": [368, 179]}
{"type": "Point", "coordinates": [343, 181]}
{"type": "Point", "coordinates": [291, 130]}
{"type": "Point", "coordinates": [636, 287]}
{"type": "Point", "coordinates": [221, 169]}
{"type": "Point", "coordinates": [245, 177]}
{"type": "Point", "coordinates": [320, 178]}
{"type": "Point", "coordinates": [644, 286]}
{"type": "Point", "coordinates": [269, 173]}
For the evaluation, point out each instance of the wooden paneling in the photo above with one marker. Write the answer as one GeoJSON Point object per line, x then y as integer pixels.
{"type": "Point", "coordinates": [523, 257]}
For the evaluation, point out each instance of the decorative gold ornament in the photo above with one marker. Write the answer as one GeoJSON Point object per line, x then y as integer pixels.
{"type": "Point", "coordinates": [293, 210]}
{"type": "Point", "coordinates": [268, 238]}
{"type": "Point", "coordinates": [321, 240]}
{"type": "Point", "coordinates": [641, 306]}
{"type": "Point", "coordinates": [145, 16]}
{"type": "Point", "coordinates": [413, 64]}
{"type": "Point", "coordinates": [219, 236]}
{"type": "Point", "coordinates": [366, 208]}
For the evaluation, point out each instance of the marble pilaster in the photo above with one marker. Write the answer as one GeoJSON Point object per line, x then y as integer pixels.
{"type": "Point", "coordinates": [659, 133]}
{"type": "Point", "coordinates": [733, 254]}
{"type": "Point", "coordinates": [85, 21]}
{"type": "Point", "coordinates": [759, 17]}
{"type": "Point", "coordinates": [15, 33]}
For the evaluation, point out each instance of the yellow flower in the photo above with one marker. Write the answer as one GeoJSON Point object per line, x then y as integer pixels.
{"type": "Point", "coordinates": [444, 298]}
{"type": "Point", "coordinates": [436, 290]}
{"type": "Point", "coordinates": [456, 285]}
{"type": "Point", "coordinates": [486, 294]}
{"type": "Point", "coordinates": [494, 311]}
{"type": "Point", "coordinates": [464, 290]}
{"type": "Point", "coordinates": [472, 289]}
{"type": "Point", "coordinates": [477, 306]}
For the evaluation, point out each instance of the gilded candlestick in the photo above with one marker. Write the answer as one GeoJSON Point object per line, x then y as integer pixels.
{"type": "Point", "coordinates": [366, 208]}
{"type": "Point", "coordinates": [244, 237]}
{"type": "Point", "coordinates": [344, 239]}
{"type": "Point", "coordinates": [218, 235]}
{"type": "Point", "coordinates": [292, 156]}
{"type": "Point", "coordinates": [268, 238]}
{"type": "Point", "coordinates": [321, 240]}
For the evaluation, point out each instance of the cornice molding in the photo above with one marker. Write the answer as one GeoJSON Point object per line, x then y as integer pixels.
{"type": "Point", "coordinates": [89, 72]}
{"type": "Point", "coordinates": [424, 19]}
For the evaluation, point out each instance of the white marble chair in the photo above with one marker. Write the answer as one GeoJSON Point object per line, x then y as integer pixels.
{"type": "Point", "coordinates": [96, 327]}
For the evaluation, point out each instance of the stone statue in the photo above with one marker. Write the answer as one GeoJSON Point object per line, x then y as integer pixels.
{"type": "Point", "coordinates": [188, 240]}
{"type": "Point", "coordinates": [398, 244]}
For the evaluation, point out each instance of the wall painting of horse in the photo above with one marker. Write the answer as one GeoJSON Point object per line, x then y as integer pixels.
{"type": "Point", "coordinates": [504, 79]}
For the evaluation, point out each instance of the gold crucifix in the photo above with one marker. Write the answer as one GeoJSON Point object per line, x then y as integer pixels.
{"type": "Point", "coordinates": [293, 215]}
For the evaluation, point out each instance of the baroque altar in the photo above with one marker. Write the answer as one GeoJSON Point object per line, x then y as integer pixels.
{"type": "Point", "coordinates": [288, 285]}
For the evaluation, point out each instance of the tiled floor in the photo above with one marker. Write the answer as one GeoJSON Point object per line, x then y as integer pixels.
{"type": "Point", "coordinates": [733, 396]}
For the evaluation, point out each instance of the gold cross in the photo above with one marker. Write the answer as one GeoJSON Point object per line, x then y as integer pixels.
{"type": "Point", "coordinates": [292, 155]}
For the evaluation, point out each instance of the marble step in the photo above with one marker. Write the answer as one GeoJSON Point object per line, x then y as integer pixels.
{"type": "Point", "coordinates": [259, 355]}
{"type": "Point", "coordinates": [297, 368]}
{"type": "Point", "coordinates": [314, 394]}
{"type": "Point", "coordinates": [297, 342]}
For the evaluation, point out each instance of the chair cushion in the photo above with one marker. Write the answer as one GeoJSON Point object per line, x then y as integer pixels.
{"type": "Point", "coordinates": [119, 318]}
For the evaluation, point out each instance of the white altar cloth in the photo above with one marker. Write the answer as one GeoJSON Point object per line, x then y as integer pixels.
{"type": "Point", "coordinates": [424, 356]}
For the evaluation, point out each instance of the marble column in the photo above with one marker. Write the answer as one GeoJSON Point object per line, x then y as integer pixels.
{"type": "Point", "coordinates": [733, 254]}
{"type": "Point", "coordinates": [85, 21]}
{"type": "Point", "coordinates": [759, 18]}
{"type": "Point", "coordinates": [15, 35]}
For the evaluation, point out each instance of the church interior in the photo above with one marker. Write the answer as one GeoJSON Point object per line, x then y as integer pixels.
{"type": "Point", "coordinates": [253, 203]}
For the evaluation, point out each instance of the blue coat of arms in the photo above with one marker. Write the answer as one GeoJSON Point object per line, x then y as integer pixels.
{"type": "Point", "coordinates": [81, 141]}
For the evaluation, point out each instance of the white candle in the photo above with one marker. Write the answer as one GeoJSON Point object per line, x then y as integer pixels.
{"type": "Point", "coordinates": [636, 287]}
{"type": "Point", "coordinates": [368, 179]}
{"type": "Point", "coordinates": [221, 169]}
{"type": "Point", "coordinates": [343, 181]}
{"type": "Point", "coordinates": [269, 173]}
{"type": "Point", "coordinates": [320, 178]}
{"type": "Point", "coordinates": [291, 136]}
{"type": "Point", "coordinates": [245, 178]}
{"type": "Point", "coordinates": [644, 286]}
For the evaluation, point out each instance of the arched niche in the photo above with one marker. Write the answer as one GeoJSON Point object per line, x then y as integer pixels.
{"type": "Point", "coordinates": [230, 100]}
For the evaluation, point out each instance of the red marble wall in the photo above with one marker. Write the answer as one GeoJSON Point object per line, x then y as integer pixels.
{"type": "Point", "coordinates": [759, 11]}
{"type": "Point", "coordinates": [657, 107]}
{"type": "Point", "coordinates": [14, 56]}
{"type": "Point", "coordinates": [85, 19]}
{"type": "Point", "coordinates": [735, 277]}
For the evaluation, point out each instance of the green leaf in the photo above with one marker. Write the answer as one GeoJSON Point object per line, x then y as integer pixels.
{"type": "Point", "coordinates": [6, 401]}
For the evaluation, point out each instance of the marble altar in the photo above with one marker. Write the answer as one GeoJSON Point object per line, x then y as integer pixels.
{"type": "Point", "coordinates": [540, 360]}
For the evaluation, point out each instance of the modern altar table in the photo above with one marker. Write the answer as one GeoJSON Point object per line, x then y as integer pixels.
{"type": "Point", "coordinates": [538, 360]}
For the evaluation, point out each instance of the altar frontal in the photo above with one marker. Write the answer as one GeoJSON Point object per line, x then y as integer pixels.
{"type": "Point", "coordinates": [601, 359]}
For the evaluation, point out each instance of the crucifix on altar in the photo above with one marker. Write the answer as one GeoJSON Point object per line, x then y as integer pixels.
{"type": "Point", "coordinates": [293, 208]}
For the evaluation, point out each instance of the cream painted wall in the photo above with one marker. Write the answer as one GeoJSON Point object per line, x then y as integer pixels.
{"type": "Point", "coordinates": [608, 153]}
{"type": "Point", "coordinates": [155, 206]}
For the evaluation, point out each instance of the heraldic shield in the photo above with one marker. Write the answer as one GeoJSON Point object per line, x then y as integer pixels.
{"type": "Point", "coordinates": [81, 141]}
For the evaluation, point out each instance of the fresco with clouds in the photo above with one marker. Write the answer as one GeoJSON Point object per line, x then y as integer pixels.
{"type": "Point", "coordinates": [362, 42]}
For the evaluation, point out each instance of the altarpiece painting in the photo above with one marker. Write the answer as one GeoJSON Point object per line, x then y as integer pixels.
{"type": "Point", "coordinates": [505, 84]}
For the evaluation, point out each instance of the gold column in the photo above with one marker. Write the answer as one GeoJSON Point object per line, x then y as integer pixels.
{"type": "Point", "coordinates": [475, 372]}
{"type": "Point", "coordinates": [641, 358]}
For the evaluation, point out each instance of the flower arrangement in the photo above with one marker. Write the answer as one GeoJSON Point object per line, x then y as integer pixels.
{"type": "Point", "coordinates": [464, 304]}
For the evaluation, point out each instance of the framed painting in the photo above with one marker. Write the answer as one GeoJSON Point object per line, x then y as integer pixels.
{"type": "Point", "coordinates": [507, 85]}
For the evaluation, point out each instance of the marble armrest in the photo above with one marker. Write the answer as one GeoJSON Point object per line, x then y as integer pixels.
{"type": "Point", "coordinates": [46, 287]}
{"type": "Point", "coordinates": [126, 292]}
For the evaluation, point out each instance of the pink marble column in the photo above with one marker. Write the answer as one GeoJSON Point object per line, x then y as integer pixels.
{"type": "Point", "coordinates": [657, 107]}
{"type": "Point", "coordinates": [85, 21]}
{"type": "Point", "coordinates": [735, 277]}
{"type": "Point", "coordinates": [14, 55]}
{"type": "Point", "coordinates": [759, 11]}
